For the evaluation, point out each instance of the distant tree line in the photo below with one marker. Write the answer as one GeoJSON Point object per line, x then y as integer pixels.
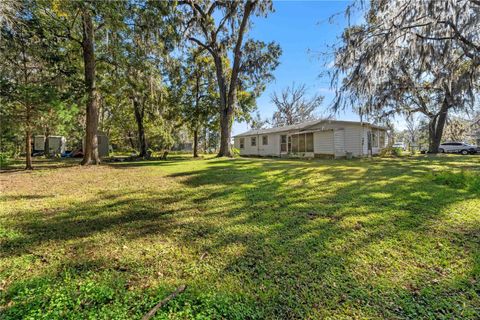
{"type": "Point", "coordinates": [140, 71]}
{"type": "Point", "coordinates": [148, 72]}
{"type": "Point", "coordinates": [411, 57]}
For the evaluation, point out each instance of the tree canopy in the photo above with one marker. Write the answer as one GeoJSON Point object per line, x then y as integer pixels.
{"type": "Point", "coordinates": [409, 57]}
{"type": "Point", "coordinates": [294, 106]}
{"type": "Point", "coordinates": [221, 28]}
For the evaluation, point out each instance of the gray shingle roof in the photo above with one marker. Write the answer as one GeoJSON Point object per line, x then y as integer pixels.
{"type": "Point", "coordinates": [299, 126]}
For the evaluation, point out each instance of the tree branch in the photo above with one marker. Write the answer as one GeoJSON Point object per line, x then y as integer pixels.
{"type": "Point", "coordinates": [238, 46]}
{"type": "Point", "coordinates": [201, 44]}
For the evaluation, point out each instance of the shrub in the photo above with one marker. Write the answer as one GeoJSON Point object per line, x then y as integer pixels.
{"type": "Point", "coordinates": [3, 160]}
{"type": "Point", "coordinates": [465, 179]}
{"type": "Point", "coordinates": [391, 152]}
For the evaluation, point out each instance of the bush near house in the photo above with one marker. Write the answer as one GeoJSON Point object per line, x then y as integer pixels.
{"type": "Point", "coordinates": [251, 239]}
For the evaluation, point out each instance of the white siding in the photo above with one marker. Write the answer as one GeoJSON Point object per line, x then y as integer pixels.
{"type": "Point", "coordinates": [365, 140]}
{"type": "Point", "coordinates": [352, 136]}
{"type": "Point", "coordinates": [323, 142]}
{"type": "Point", "coordinates": [38, 143]}
{"type": "Point", "coordinates": [272, 148]}
{"type": "Point", "coordinates": [339, 142]}
{"type": "Point", "coordinates": [354, 139]}
{"type": "Point", "coordinates": [249, 149]}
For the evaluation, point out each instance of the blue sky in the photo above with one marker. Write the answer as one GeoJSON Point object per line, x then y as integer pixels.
{"type": "Point", "coordinates": [303, 31]}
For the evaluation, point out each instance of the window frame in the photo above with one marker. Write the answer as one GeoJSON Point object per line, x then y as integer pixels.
{"type": "Point", "coordinates": [301, 142]}
{"type": "Point", "coordinates": [375, 139]}
{"type": "Point", "coordinates": [381, 139]}
{"type": "Point", "coordinates": [253, 141]}
{"type": "Point", "coordinates": [265, 138]}
{"type": "Point", "coordinates": [307, 149]}
{"type": "Point", "coordinates": [241, 143]}
{"type": "Point", "coordinates": [295, 143]}
{"type": "Point", "coordinates": [283, 143]}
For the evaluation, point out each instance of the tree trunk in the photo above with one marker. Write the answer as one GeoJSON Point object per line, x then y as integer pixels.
{"type": "Point", "coordinates": [195, 143]}
{"type": "Point", "coordinates": [17, 148]}
{"type": "Point", "coordinates": [132, 144]}
{"type": "Point", "coordinates": [46, 145]}
{"type": "Point", "coordinates": [90, 152]}
{"type": "Point", "coordinates": [225, 132]}
{"type": "Point", "coordinates": [435, 128]}
{"type": "Point", "coordinates": [227, 111]}
{"type": "Point", "coordinates": [28, 148]}
{"type": "Point", "coordinates": [205, 142]}
{"type": "Point", "coordinates": [139, 115]}
{"type": "Point", "coordinates": [165, 154]}
{"type": "Point", "coordinates": [224, 127]}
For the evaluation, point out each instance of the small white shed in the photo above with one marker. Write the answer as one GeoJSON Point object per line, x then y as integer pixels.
{"type": "Point", "coordinates": [103, 144]}
{"type": "Point", "coordinates": [320, 138]}
{"type": "Point", "coordinates": [56, 144]}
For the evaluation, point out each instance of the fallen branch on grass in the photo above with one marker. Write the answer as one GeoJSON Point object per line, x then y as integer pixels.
{"type": "Point", "coordinates": [154, 310]}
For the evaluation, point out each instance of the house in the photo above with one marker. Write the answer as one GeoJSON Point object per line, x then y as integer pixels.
{"type": "Point", "coordinates": [319, 138]}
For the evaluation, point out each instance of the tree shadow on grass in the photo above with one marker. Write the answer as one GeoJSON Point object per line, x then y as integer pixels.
{"type": "Point", "coordinates": [380, 207]}
{"type": "Point", "coordinates": [40, 165]}
{"type": "Point", "coordinates": [84, 219]}
{"type": "Point", "coordinates": [22, 197]}
{"type": "Point", "coordinates": [298, 239]}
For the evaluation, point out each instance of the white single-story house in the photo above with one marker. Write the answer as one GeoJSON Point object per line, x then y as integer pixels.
{"type": "Point", "coordinates": [319, 138]}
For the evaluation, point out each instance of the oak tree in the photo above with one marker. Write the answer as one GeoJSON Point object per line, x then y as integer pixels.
{"type": "Point", "coordinates": [221, 28]}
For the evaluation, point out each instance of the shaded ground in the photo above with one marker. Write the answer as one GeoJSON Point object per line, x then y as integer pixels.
{"type": "Point", "coordinates": [252, 238]}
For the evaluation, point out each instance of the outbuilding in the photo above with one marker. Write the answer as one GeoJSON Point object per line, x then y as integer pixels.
{"type": "Point", "coordinates": [56, 144]}
{"type": "Point", "coordinates": [319, 138]}
{"type": "Point", "coordinates": [103, 144]}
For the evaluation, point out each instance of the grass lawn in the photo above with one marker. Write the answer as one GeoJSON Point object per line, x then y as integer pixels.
{"type": "Point", "coordinates": [251, 238]}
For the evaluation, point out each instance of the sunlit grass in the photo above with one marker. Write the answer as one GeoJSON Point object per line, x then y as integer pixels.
{"type": "Point", "coordinates": [251, 238]}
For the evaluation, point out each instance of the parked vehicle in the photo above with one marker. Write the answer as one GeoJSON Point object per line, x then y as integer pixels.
{"type": "Point", "coordinates": [457, 147]}
{"type": "Point", "coordinates": [399, 145]}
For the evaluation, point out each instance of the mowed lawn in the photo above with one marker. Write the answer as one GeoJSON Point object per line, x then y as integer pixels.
{"type": "Point", "coordinates": [251, 239]}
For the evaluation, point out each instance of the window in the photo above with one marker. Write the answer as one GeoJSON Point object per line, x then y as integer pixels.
{"type": "Point", "coordinates": [242, 143]}
{"type": "Point", "coordinates": [382, 139]}
{"type": "Point", "coordinates": [375, 139]}
{"type": "Point", "coordinates": [264, 140]}
{"type": "Point", "coordinates": [309, 142]}
{"type": "Point", "coordinates": [302, 142]}
{"type": "Point", "coordinates": [253, 141]}
{"type": "Point", "coordinates": [295, 143]}
{"type": "Point", "coordinates": [283, 143]}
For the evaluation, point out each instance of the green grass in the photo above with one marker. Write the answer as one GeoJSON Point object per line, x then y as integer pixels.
{"type": "Point", "coordinates": [251, 238]}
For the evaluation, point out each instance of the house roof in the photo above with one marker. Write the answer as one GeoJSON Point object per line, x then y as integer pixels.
{"type": "Point", "coordinates": [301, 126]}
